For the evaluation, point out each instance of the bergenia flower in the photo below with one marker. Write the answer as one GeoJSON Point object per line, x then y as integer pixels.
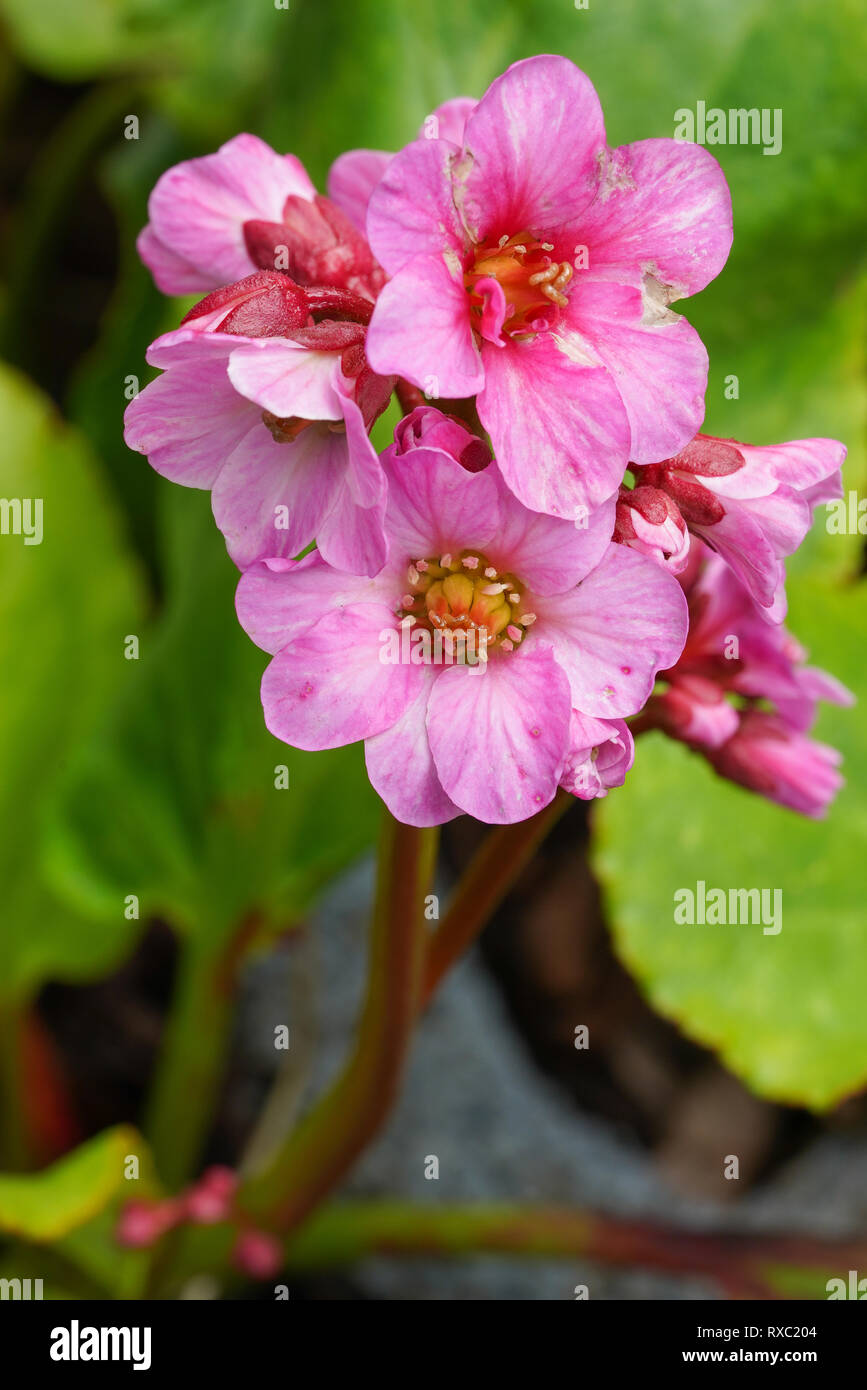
{"type": "Point", "coordinates": [742, 694]}
{"type": "Point", "coordinates": [267, 398]}
{"type": "Point", "coordinates": [533, 266]}
{"type": "Point", "coordinates": [568, 632]}
{"type": "Point", "coordinates": [216, 219]}
{"type": "Point", "coordinates": [752, 504]}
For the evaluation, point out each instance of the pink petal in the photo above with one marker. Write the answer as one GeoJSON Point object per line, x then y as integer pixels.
{"type": "Point", "coordinates": [411, 211]}
{"type": "Point", "coordinates": [601, 753]}
{"type": "Point", "coordinates": [623, 623]}
{"type": "Point", "coordinates": [351, 180]}
{"type": "Point", "coordinates": [401, 768]}
{"type": "Point", "coordinates": [559, 427]}
{"type": "Point", "coordinates": [330, 687]}
{"type": "Point", "coordinates": [172, 273]}
{"type": "Point", "coordinates": [198, 209]}
{"type": "Point", "coordinates": [451, 117]}
{"type": "Point", "coordinates": [421, 330]}
{"type": "Point", "coordinates": [303, 476]}
{"type": "Point", "coordinates": [498, 733]}
{"type": "Point", "coordinates": [189, 421]}
{"type": "Point", "coordinates": [531, 150]}
{"type": "Point", "coordinates": [547, 553]}
{"type": "Point", "coordinates": [287, 379]}
{"type": "Point", "coordinates": [655, 357]}
{"type": "Point", "coordinates": [435, 506]}
{"type": "Point", "coordinates": [278, 600]}
{"type": "Point", "coordinates": [664, 206]}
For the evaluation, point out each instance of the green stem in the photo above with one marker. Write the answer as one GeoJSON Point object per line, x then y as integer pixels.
{"type": "Point", "coordinates": [190, 1065]}
{"type": "Point", "coordinates": [313, 1160]}
{"type": "Point", "coordinates": [15, 1153]}
{"type": "Point", "coordinates": [484, 884]}
{"type": "Point", "coordinates": [749, 1265]}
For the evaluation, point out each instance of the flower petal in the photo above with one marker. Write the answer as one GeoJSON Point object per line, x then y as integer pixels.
{"type": "Point", "coordinates": [656, 358]}
{"type": "Point", "coordinates": [287, 379]}
{"type": "Point", "coordinates": [351, 180]}
{"type": "Point", "coordinates": [531, 150]}
{"type": "Point", "coordinates": [623, 623]}
{"type": "Point", "coordinates": [499, 733]}
{"type": "Point", "coordinates": [190, 420]}
{"type": "Point", "coordinates": [664, 206]}
{"type": "Point", "coordinates": [411, 211]}
{"type": "Point", "coordinates": [331, 687]}
{"type": "Point", "coordinates": [547, 553]}
{"type": "Point", "coordinates": [421, 330]}
{"type": "Point", "coordinates": [558, 425]}
{"type": "Point", "coordinates": [198, 209]}
{"type": "Point", "coordinates": [277, 600]}
{"type": "Point", "coordinates": [435, 505]}
{"type": "Point", "coordinates": [402, 770]}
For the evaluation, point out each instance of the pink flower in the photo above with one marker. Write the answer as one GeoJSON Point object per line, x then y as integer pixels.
{"type": "Point", "coordinates": [600, 755]}
{"type": "Point", "coordinates": [752, 504]}
{"type": "Point", "coordinates": [741, 693]}
{"type": "Point", "coordinates": [567, 622]}
{"type": "Point", "coordinates": [211, 1199]}
{"type": "Point", "coordinates": [142, 1222]}
{"type": "Point", "coordinates": [216, 219]}
{"type": "Point", "coordinates": [257, 1253]}
{"type": "Point", "coordinates": [533, 266]}
{"type": "Point", "coordinates": [767, 756]}
{"type": "Point", "coordinates": [266, 398]}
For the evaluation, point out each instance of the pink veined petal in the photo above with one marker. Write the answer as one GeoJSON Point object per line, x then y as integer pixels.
{"type": "Point", "coordinates": [401, 767]}
{"type": "Point", "coordinates": [435, 505]}
{"type": "Point", "coordinates": [411, 212]}
{"type": "Point", "coordinates": [657, 360]}
{"type": "Point", "coordinates": [172, 273]}
{"type": "Point", "coordinates": [198, 208]}
{"type": "Point", "coordinates": [287, 379]}
{"type": "Point", "coordinates": [803, 464]}
{"type": "Point", "coordinates": [623, 623]}
{"type": "Point", "coordinates": [330, 687]}
{"type": "Point", "coordinates": [451, 118]}
{"type": "Point", "coordinates": [191, 345]}
{"type": "Point", "coordinates": [304, 477]}
{"type": "Point", "coordinates": [664, 207]}
{"type": "Point", "coordinates": [531, 150]}
{"type": "Point", "coordinates": [352, 535]}
{"type": "Point", "coordinates": [351, 180]}
{"type": "Point", "coordinates": [421, 330]}
{"type": "Point", "coordinates": [547, 553]}
{"type": "Point", "coordinates": [559, 427]}
{"type": "Point", "coordinates": [189, 421]}
{"type": "Point", "coordinates": [499, 733]}
{"type": "Point", "coordinates": [277, 600]}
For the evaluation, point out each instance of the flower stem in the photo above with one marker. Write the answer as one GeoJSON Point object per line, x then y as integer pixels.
{"type": "Point", "coordinates": [483, 886]}
{"type": "Point", "coordinates": [190, 1066]}
{"type": "Point", "coordinates": [752, 1265]}
{"type": "Point", "coordinates": [312, 1161]}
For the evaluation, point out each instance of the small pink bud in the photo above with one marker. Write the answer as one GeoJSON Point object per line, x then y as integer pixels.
{"type": "Point", "coordinates": [258, 1254]}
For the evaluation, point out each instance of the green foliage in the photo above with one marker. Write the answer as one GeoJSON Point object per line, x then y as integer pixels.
{"type": "Point", "coordinates": [66, 606]}
{"type": "Point", "coordinates": [175, 800]}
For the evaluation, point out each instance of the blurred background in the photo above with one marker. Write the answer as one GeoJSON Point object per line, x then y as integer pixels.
{"type": "Point", "coordinates": [138, 805]}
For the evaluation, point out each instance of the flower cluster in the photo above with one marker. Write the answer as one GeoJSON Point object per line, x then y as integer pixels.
{"type": "Point", "coordinates": [550, 550]}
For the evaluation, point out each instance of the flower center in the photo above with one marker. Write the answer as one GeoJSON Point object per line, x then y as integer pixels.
{"type": "Point", "coordinates": [533, 285]}
{"type": "Point", "coordinates": [463, 596]}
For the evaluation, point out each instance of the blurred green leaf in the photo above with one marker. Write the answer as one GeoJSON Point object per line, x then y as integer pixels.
{"type": "Point", "coordinates": [176, 800]}
{"type": "Point", "coordinates": [65, 607]}
{"type": "Point", "coordinates": [785, 1012]}
{"type": "Point", "coordinates": [44, 1207]}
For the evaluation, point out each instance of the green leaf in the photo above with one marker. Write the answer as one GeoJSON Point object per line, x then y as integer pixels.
{"type": "Point", "coordinates": [176, 800]}
{"type": "Point", "coordinates": [45, 1207]}
{"type": "Point", "coordinates": [65, 607]}
{"type": "Point", "coordinates": [786, 1011]}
